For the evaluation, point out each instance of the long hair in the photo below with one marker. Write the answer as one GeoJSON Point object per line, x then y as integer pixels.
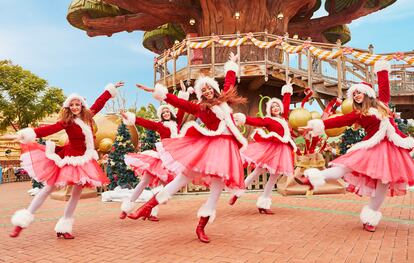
{"type": "Point", "coordinates": [172, 118]}
{"type": "Point", "coordinates": [68, 117]}
{"type": "Point", "coordinates": [369, 102]}
{"type": "Point", "coordinates": [230, 97]}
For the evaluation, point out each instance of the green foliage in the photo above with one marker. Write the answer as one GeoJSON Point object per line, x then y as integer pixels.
{"type": "Point", "coordinates": [118, 172]}
{"type": "Point", "coordinates": [24, 97]}
{"type": "Point", "coordinates": [402, 125]}
{"type": "Point", "coordinates": [148, 141]}
{"type": "Point", "coordinates": [349, 138]}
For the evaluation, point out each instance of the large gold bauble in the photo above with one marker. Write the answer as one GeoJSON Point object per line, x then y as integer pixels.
{"type": "Point", "coordinates": [315, 115]}
{"type": "Point", "coordinates": [107, 128]}
{"type": "Point", "coordinates": [299, 117]}
{"type": "Point", "coordinates": [346, 106]}
{"type": "Point", "coordinates": [335, 131]}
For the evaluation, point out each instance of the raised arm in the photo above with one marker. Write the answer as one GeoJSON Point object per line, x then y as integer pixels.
{"type": "Point", "coordinates": [110, 92]}
{"type": "Point", "coordinates": [382, 68]}
{"type": "Point", "coordinates": [242, 119]}
{"type": "Point", "coordinates": [230, 70]}
{"type": "Point", "coordinates": [160, 93]}
{"type": "Point", "coordinates": [318, 126]}
{"type": "Point", "coordinates": [28, 135]}
{"type": "Point", "coordinates": [129, 118]}
{"type": "Point", "coordinates": [287, 91]}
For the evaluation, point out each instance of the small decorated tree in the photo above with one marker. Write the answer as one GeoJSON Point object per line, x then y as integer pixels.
{"type": "Point", "coordinates": [349, 138]}
{"type": "Point", "coordinates": [148, 141]}
{"type": "Point", "coordinates": [118, 172]}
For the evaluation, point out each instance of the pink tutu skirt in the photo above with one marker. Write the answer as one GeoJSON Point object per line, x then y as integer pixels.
{"type": "Point", "coordinates": [384, 162]}
{"type": "Point", "coordinates": [44, 170]}
{"type": "Point", "coordinates": [204, 157]}
{"type": "Point", "coordinates": [277, 158]}
{"type": "Point", "coordinates": [149, 163]}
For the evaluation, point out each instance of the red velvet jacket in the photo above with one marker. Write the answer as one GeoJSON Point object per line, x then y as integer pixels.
{"type": "Point", "coordinates": [166, 129]}
{"type": "Point", "coordinates": [80, 137]}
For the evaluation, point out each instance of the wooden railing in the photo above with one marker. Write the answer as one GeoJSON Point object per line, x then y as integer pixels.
{"type": "Point", "coordinates": [306, 69]}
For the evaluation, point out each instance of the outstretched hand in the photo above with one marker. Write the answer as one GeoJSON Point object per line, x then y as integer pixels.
{"type": "Point", "coordinates": [182, 85]}
{"type": "Point", "coordinates": [144, 88]}
{"type": "Point", "coordinates": [234, 57]}
{"type": "Point", "coordinates": [123, 114]}
{"type": "Point", "coordinates": [13, 137]}
{"type": "Point", "coordinates": [304, 129]}
{"type": "Point", "coordinates": [119, 84]}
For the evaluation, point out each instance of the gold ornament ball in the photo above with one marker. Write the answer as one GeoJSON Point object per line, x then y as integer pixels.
{"type": "Point", "coordinates": [335, 131]}
{"type": "Point", "coordinates": [346, 106]}
{"type": "Point", "coordinates": [315, 115]}
{"type": "Point", "coordinates": [105, 145]}
{"type": "Point", "coordinates": [299, 117]}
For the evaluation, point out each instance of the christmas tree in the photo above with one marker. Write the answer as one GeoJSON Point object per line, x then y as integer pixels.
{"type": "Point", "coordinates": [36, 184]}
{"type": "Point", "coordinates": [149, 140]}
{"type": "Point", "coordinates": [118, 172]}
{"type": "Point", "coordinates": [349, 138]}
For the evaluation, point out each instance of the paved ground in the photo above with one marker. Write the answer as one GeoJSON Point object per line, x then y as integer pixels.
{"type": "Point", "coordinates": [316, 229]}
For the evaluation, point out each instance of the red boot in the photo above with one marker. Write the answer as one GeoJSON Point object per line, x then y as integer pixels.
{"type": "Point", "coordinates": [200, 229]}
{"type": "Point", "coordinates": [303, 180]}
{"type": "Point", "coordinates": [153, 218]}
{"type": "Point", "coordinates": [145, 210]}
{"type": "Point", "coordinates": [16, 231]}
{"type": "Point", "coordinates": [265, 211]}
{"type": "Point", "coordinates": [369, 228]}
{"type": "Point", "coordinates": [65, 235]}
{"type": "Point", "coordinates": [233, 200]}
{"type": "Point", "coordinates": [123, 215]}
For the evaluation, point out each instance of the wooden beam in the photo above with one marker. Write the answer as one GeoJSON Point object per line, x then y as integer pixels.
{"type": "Point", "coordinates": [256, 83]}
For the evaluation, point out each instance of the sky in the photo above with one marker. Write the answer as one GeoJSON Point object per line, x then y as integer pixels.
{"type": "Point", "coordinates": [36, 35]}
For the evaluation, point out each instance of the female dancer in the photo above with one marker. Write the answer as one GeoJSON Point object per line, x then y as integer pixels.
{"type": "Point", "coordinates": [210, 155]}
{"type": "Point", "coordinates": [379, 163]}
{"type": "Point", "coordinates": [273, 151]}
{"type": "Point", "coordinates": [147, 164]}
{"type": "Point", "coordinates": [73, 164]}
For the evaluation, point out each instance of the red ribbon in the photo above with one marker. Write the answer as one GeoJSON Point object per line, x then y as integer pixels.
{"type": "Point", "coordinates": [308, 92]}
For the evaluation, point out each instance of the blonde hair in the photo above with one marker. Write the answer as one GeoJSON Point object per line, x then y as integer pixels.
{"type": "Point", "coordinates": [369, 102]}
{"type": "Point", "coordinates": [230, 96]}
{"type": "Point", "coordinates": [66, 116]}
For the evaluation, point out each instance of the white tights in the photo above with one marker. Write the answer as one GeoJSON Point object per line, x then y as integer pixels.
{"type": "Point", "coordinates": [140, 187]}
{"type": "Point", "coordinates": [376, 201]}
{"type": "Point", "coordinates": [40, 198]}
{"type": "Point", "coordinates": [267, 191]}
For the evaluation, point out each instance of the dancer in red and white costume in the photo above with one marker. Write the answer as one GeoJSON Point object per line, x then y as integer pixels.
{"type": "Point", "coordinates": [381, 162]}
{"type": "Point", "coordinates": [73, 164]}
{"type": "Point", "coordinates": [272, 151]}
{"type": "Point", "coordinates": [148, 164]}
{"type": "Point", "coordinates": [207, 155]}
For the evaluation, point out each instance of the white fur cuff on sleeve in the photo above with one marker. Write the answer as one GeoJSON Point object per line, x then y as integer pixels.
{"type": "Point", "coordinates": [239, 118]}
{"type": "Point", "coordinates": [112, 89]}
{"type": "Point", "coordinates": [287, 88]}
{"type": "Point", "coordinates": [160, 92]}
{"type": "Point", "coordinates": [26, 135]}
{"type": "Point", "coordinates": [318, 128]}
{"type": "Point", "coordinates": [230, 65]}
{"type": "Point", "coordinates": [381, 65]}
{"type": "Point", "coordinates": [183, 95]}
{"type": "Point", "coordinates": [130, 120]}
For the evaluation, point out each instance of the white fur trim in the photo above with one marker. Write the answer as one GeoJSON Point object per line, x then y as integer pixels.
{"type": "Point", "coordinates": [205, 212]}
{"type": "Point", "coordinates": [183, 95]}
{"type": "Point", "coordinates": [22, 218]}
{"type": "Point", "coordinates": [223, 113]}
{"type": "Point", "coordinates": [369, 216]}
{"type": "Point", "coordinates": [163, 196]}
{"type": "Point", "coordinates": [269, 104]}
{"type": "Point", "coordinates": [385, 130]}
{"type": "Point", "coordinates": [239, 118]}
{"type": "Point", "coordinates": [172, 125]}
{"type": "Point", "coordinates": [201, 81]}
{"type": "Point", "coordinates": [286, 133]}
{"type": "Point", "coordinates": [26, 135]}
{"type": "Point", "coordinates": [154, 211]}
{"type": "Point", "coordinates": [160, 92]}
{"type": "Point", "coordinates": [237, 192]}
{"type": "Point", "coordinates": [381, 65]}
{"type": "Point", "coordinates": [190, 90]}
{"type": "Point", "coordinates": [64, 225]}
{"type": "Point", "coordinates": [89, 154]}
{"type": "Point", "coordinates": [231, 65]}
{"type": "Point", "coordinates": [314, 176]}
{"type": "Point", "coordinates": [264, 202]}
{"type": "Point", "coordinates": [367, 90]}
{"type": "Point", "coordinates": [112, 89]}
{"type": "Point", "coordinates": [287, 88]}
{"type": "Point", "coordinates": [165, 106]}
{"type": "Point", "coordinates": [151, 153]}
{"type": "Point", "coordinates": [127, 206]}
{"type": "Point", "coordinates": [130, 119]}
{"type": "Point", "coordinates": [318, 127]}
{"type": "Point", "coordinates": [73, 96]}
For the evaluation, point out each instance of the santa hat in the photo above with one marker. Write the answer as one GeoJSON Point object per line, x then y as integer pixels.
{"type": "Point", "coordinates": [362, 87]}
{"type": "Point", "coordinates": [269, 104]}
{"type": "Point", "coordinates": [74, 96]}
{"type": "Point", "coordinates": [201, 82]}
{"type": "Point", "coordinates": [165, 106]}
